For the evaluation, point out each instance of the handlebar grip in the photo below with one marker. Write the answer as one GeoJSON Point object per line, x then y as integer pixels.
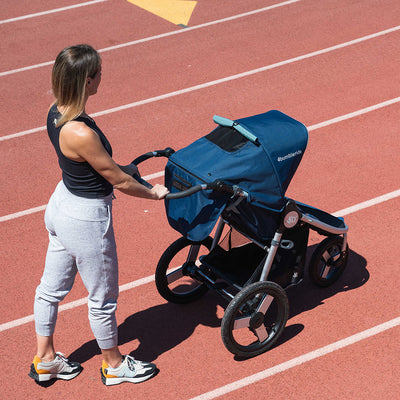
{"type": "Point", "coordinates": [235, 125]}
{"type": "Point", "coordinates": [217, 185]}
{"type": "Point", "coordinates": [185, 193]}
{"type": "Point", "coordinates": [223, 121]}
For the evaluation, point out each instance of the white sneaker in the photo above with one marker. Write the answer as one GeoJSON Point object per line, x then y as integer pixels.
{"type": "Point", "coordinates": [60, 368]}
{"type": "Point", "coordinates": [130, 370]}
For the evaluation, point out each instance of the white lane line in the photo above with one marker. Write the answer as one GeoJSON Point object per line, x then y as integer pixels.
{"type": "Point", "coordinates": [80, 302]}
{"type": "Point", "coordinates": [43, 207]}
{"type": "Point", "coordinates": [23, 213]}
{"type": "Point", "coordinates": [312, 355]}
{"type": "Point", "coordinates": [163, 35]}
{"type": "Point", "coordinates": [310, 128]}
{"type": "Point", "coordinates": [39, 14]}
{"type": "Point", "coordinates": [219, 81]}
{"type": "Point", "coordinates": [73, 304]}
{"type": "Point", "coordinates": [354, 114]}
{"type": "Point", "coordinates": [368, 203]}
{"type": "Point", "coordinates": [21, 321]}
{"type": "Point", "coordinates": [200, 26]}
{"type": "Point", "coordinates": [161, 173]}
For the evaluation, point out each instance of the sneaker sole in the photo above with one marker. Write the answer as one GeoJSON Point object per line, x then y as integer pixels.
{"type": "Point", "coordinates": [117, 381]}
{"type": "Point", "coordinates": [46, 377]}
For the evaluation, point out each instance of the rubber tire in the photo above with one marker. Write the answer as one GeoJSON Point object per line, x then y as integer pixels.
{"type": "Point", "coordinates": [164, 264]}
{"type": "Point", "coordinates": [314, 268]}
{"type": "Point", "coordinates": [248, 292]}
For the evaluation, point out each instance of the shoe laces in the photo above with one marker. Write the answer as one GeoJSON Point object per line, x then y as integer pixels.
{"type": "Point", "coordinates": [62, 357]}
{"type": "Point", "coordinates": [132, 363]}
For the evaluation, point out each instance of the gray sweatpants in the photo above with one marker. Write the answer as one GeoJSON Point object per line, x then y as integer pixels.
{"type": "Point", "coordinates": [81, 239]}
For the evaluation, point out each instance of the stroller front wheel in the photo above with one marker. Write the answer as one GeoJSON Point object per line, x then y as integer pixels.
{"type": "Point", "coordinates": [328, 261]}
{"type": "Point", "coordinates": [254, 319]}
{"type": "Point", "coordinates": [172, 276]}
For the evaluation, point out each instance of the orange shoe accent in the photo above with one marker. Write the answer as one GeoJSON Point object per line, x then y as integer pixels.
{"type": "Point", "coordinates": [36, 361]}
{"type": "Point", "coordinates": [104, 367]}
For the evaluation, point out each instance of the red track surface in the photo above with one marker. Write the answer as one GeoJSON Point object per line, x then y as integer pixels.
{"type": "Point", "coordinates": [346, 163]}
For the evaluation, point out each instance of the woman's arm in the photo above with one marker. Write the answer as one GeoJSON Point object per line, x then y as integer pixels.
{"type": "Point", "coordinates": [80, 143]}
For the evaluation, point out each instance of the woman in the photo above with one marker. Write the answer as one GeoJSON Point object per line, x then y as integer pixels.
{"type": "Point", "coordinates": [79, 220]}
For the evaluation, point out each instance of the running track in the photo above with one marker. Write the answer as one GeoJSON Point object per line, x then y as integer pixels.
{"type": "Point", "coordinates": [332, 65]}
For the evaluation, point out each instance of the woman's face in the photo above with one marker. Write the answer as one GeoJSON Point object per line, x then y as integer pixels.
{"type": "Point", "coordinates": [94, 82]}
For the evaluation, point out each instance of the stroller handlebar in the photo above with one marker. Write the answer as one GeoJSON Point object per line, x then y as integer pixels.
{"type": "Point", "coordinates": [167, 152]}
{"type": "Point", "coordinates": [156, 153]}
{"type": "Point", "coordinates": [218, 185]}
{"type": "Point", "coordinates": [186, 193]}
{"type": "Point", "coordinates": [235, 125]}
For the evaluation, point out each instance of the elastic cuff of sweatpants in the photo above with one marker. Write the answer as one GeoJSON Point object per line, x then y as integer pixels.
{"type": "Point", "coordinates": [106, 344]}
{"type": "Point", "coordinates": [44, 330]}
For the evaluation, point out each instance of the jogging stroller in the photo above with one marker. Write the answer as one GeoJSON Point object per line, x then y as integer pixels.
{"type": "Point", "coordinates": [238, 174]}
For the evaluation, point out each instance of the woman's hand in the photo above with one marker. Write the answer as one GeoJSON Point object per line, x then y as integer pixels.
{"type": "Point", "coordinates": [159, 191]}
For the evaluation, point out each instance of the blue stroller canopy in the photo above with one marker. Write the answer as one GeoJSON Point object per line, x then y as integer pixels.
{"type": "Point", "coordinates": [259, 154]}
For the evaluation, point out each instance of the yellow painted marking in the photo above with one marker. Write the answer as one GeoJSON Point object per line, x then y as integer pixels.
{"type": "Point", "coordinates": [176, 11]}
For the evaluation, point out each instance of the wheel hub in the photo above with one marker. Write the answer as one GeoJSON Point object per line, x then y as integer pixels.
{"type": "Point", "coordinates": [256, 320]}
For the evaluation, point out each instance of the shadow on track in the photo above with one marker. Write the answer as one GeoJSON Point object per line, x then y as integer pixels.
{"type": "Point", "coordinates": [158, 329]}
{"type": "Point", "coordinates": [162, 327]}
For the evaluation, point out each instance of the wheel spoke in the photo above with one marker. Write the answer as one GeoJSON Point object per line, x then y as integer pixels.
{"type": "Point", "coordinates": [175, 275]}
{"type": "Point", "coordinates": [326, 268]}
{"type": "Point", "coordinates": [264, 304]}
{"type": "Point", "coordinates": [326, 256]}
{"type": "Point", "coordinates": [241, 323]}
{"type": "Point", "coordinates": [262, 333]}
{"type": "Point", "coordinates": [328, 261]}
{"type": "Point", "coordinates": [325, 271]}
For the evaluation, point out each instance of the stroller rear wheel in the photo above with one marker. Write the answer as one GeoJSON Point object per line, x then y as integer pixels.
{"type": "Point", "coordinates": [254, 319]}
{"type": "Point", "coordinates": [328, 261]}
{"type": "Point", "coordinates": [172, 277]}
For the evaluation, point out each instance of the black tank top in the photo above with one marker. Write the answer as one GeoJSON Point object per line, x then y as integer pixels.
{"type": "Point", "coordinates": [79, 177]}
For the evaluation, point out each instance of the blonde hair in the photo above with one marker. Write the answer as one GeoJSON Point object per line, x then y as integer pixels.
{"type": "Point", "coordinates": [73, 66]}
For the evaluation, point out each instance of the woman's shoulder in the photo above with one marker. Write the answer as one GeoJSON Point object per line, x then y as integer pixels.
{"type": "Point", "coordinates": [78, 129]}
{"type": "Point", "coordinates": [77, 140]}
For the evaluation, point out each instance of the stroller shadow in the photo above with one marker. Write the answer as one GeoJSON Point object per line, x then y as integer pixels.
{"type": "Point", "coordinates": [162, 327]}
{"type": "Point", "coordinates": [158, 329]}
{"type": "Point", "coordinates": [354, 276]}
{"type": "Point", "coordinates": [306, 296]}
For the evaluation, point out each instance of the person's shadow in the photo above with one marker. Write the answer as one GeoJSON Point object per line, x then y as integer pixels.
{"type": "Point", "coordinates": [162, 327]}
{"type": "Point", "coordinates": [158, 329]}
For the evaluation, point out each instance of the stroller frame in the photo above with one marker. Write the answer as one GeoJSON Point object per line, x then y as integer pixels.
{"type": "Point", "coordinates": [291, 216]}
{"type": "Point", "coordinates": [274, 258]}
{"type": "Point", "coordinates": [327, 264]}
{"type": "Point", "coordinates": [250, 302]}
